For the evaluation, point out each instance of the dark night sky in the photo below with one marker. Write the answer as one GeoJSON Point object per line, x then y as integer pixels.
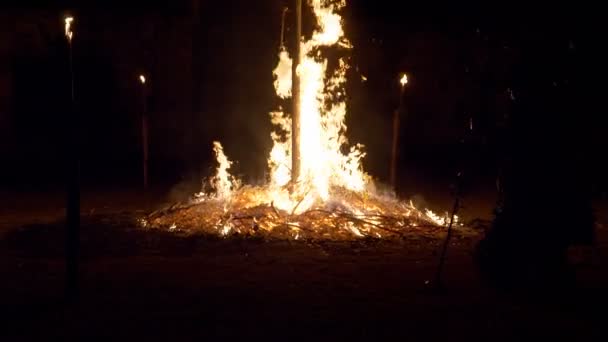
{"type": "Point", "coordinates": [210, 78]}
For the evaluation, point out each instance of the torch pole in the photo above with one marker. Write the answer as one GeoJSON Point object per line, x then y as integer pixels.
{"type": "Point", "coordinates": [395, 144]}
{"type": "Point", "coordinates": [295, 91]}
{"type": "Point", "coordinates": [73, 183]}
{"type": "Point", "coordinates": [393, 175]}
{"type": "Point", "coordinates": [144, 135]}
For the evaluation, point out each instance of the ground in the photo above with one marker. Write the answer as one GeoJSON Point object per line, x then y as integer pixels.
{"type": "Point", "coordinates": [139, 285]}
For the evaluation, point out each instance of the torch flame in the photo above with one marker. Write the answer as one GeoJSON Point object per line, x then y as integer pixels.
{"type": "Point", "coordinates": [142, 79]}
{"type": "Point", "coordinates": [68, 28]}
{"type": "Point", "coordinates": [403, 80]}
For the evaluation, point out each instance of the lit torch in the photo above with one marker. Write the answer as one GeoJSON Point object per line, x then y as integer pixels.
{"type": "Point", "coordinates": [73, 181]}
{"type": "Point", "coordinates": [394, 150]}
{"type": "Point", "coordinates": [69, 34]}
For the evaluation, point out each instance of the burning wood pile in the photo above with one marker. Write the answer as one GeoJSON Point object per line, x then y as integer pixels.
{"type": "Point", "coordinates": [349, 215]}
{"type": "Point", "coordinates": [328, 195]}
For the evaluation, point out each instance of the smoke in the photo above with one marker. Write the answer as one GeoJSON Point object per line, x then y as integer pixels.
{"type": "Point", "coordinates": [419, 201]}
{"type": "Point", "coordinates": [188, 185]}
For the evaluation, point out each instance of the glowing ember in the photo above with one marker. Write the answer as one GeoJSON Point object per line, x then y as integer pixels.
{"type": "Point", "coordinates": [333, 197]}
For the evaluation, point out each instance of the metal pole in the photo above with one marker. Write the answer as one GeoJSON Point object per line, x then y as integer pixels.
{"type": "Point", "coordinates": [73, 184]}
{"type": "Point", "coordinates": [295, 91]}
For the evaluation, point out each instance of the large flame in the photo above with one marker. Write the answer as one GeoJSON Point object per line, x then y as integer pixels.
{"type": "Point", "coordinates": [324, 165]}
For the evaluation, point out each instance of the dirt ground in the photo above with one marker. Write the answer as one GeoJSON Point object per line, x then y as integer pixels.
{"type": "Point", "coordinates": [152, 285]}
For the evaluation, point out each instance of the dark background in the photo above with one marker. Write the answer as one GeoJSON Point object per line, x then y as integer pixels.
{"type": "Point", "coordinates": [209, 66]}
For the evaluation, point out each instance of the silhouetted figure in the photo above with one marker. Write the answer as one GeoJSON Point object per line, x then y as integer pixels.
{"type": "Point", "coordinates": [545, 201]}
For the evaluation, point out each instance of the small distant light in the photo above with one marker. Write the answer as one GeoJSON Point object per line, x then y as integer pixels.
{"type": "Point", "coordinates": [363, 78]}
{"type": "Point", "coordinates": [142, 79]}
{"type": "Point", "coordinates": [403, 79]}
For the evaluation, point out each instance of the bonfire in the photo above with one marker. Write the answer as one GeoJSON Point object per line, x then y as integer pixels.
{"type": "Point", "coordinates": [332, 197]}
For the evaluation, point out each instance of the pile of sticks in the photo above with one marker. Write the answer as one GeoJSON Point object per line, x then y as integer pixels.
{"type": "Point", "coordinates": [374, 217]}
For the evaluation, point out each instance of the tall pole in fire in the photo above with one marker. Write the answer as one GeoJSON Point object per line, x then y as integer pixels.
{"type": "Point", "coordinates": [144, 130]}
{"type": "Point", "coordinates": [73, 181]}
{"type": "Point", "coordinates": [396, 124]}
{"type": "Point", "coordinates": [295, 94]}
